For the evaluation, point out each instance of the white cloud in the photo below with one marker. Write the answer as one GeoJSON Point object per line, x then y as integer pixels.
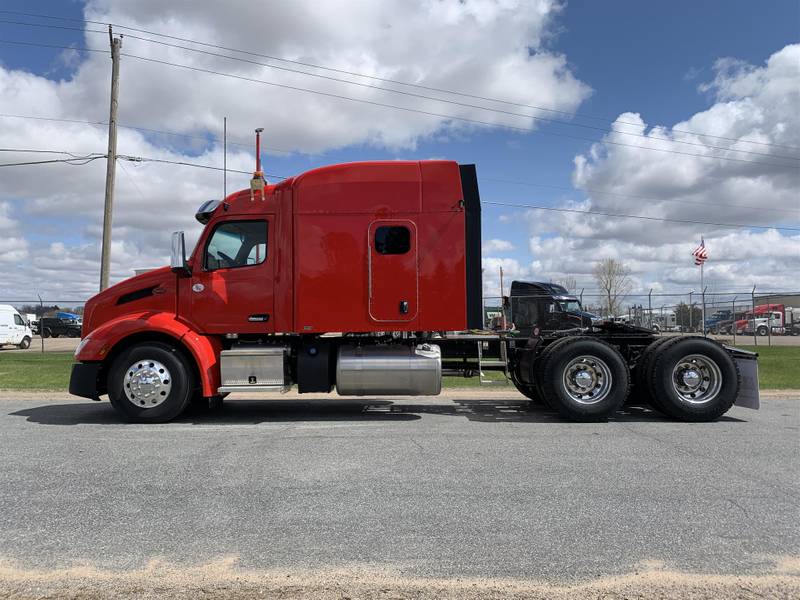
{"type": "Point", "coordinates": [492, 47]}
{"type": "Point", "coordinates": [750, 103]}
{"type": "Point", "coordinates": [496, 245]}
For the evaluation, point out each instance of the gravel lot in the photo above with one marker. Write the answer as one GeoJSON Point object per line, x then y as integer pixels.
{"type": "Point", "coordinates": [468, 495]}
{"type": "Point", "coordinates": [60, 344]}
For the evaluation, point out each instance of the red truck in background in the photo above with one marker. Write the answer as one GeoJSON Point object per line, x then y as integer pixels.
{"type": "Point", "coordinates": [366, 278]}
{"type": "Point", "coordinates": [766, 319]}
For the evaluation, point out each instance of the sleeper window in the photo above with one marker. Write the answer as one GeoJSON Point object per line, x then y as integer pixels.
{"type": "Point", "coordinates": [392, 240]}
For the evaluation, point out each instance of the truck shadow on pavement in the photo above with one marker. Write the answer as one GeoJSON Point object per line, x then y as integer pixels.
{"type": "Point", "coordinates": [248, 412]}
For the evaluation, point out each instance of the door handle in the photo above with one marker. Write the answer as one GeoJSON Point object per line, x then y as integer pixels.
{"type": "Point", "coordinates": [403, 307]}
{"type": "Point", "coordinates": [258, 318]}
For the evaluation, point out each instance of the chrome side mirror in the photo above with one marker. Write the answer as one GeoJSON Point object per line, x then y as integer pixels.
{"type": "Point", "coordinates": [177, 260]}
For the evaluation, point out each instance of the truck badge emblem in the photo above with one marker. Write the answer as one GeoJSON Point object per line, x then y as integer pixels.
{"type": "Point", "coordinates": [198, 287]}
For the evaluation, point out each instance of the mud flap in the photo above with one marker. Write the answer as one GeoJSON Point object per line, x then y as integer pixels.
{"type": "Point", "coordinates": [748, 368]}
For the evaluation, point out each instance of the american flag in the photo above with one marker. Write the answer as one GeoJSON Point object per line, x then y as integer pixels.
{"type": "Point", "coordinates": [700, 253]}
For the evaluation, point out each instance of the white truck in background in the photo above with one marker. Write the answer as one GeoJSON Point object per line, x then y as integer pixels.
{"type": "Point", "coordinates": [14, 328]}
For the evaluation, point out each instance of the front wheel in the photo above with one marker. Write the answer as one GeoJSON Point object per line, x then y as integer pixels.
{"type": "Point", "coordinates": [46, 333]}
{"type": "Point", "coordinates": [762, 331]}
{"type": "Point", "coordinates": [150, 383]}
{"type": "Point", "coordinates": [73, 334]}
{"type": "Point", "coordinates": [25, 343]}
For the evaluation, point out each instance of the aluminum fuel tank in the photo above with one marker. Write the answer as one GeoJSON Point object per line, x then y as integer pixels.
{"type": "Point", "coordinates": [389, 370]}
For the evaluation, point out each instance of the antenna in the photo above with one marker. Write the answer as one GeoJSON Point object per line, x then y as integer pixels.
{"type": "Point", "coordinates": [258, 182]}
{"type": "Point", "coordinates": [224, 158]}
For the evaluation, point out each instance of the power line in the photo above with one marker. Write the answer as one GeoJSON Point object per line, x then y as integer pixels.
{"type": "Point", "coordinates": [150, 130]}
{"type": "Point", "coordinates": [636, 197]}
{"type": "Point", "coordinates": [441, 115]}
{"type": "Point", "coordinates": [372, 77]}
{"type": "Point", "coordinates": [140, 159]}
{"type": "Point", "coordinates": [626, 216]}
{"type": "Point", "coordinates": [144, 159]}
{"type": "Point", "coordinates": [74, 162]}
{"type": "Point", "coordinates": [461, 104]}
{"type": "Point", "coordinates": [524, 183]}
{"type": "Point", "coordinates": [28, 151]}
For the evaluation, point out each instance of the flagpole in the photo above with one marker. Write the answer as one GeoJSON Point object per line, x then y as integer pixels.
{"type": "Point", "coordinates": [703, 288]}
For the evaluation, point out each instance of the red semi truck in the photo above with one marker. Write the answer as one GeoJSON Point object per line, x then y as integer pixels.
{"type": "Point", "coordinates": [366, 278]}
{"type": "Point", "coordinates": [766, 319]}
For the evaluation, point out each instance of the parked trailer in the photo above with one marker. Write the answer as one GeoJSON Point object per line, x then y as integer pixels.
{"type": "Point", "coordinates": [388, 255]}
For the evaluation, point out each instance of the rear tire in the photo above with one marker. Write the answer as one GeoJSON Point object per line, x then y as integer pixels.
{"type": "Point", "coordinates": [150, 383]}
{"type": "Point", "coordinates": [55, 335]}
{"type": "Point", "coordinates": [529, 391]}
{"type": "Point", "coordinates": [694, 379]}
{"type": "Point", "coordinates": [584, 379]}
{"type": "Point", "coordinates": [644, 365]}
{"type": "Point", "coordinates": [25, 343]}
{"type": "Point", "coordinates": [73, 334]}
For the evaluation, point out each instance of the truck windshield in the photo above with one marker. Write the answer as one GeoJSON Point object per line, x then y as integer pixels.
{"type": "Point", "coordinates": [570, 305]}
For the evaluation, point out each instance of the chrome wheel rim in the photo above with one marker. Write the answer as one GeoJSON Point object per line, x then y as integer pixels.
{"type": "Point", "coordinates": [587, 379]}
{"type": "Point", "coordinates": [147, 383]}
{"type": "Point", "coordinates": [696, 379]}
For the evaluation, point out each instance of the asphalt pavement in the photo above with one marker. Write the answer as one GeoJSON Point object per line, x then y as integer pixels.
{"type": "Point", "coordinates": [470, 485]}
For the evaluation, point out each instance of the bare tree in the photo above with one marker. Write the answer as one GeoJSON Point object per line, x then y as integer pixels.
{"type": "Point", "coordinates": [614, 279]}
{"type": "Point", "coordinates": [568, 282]}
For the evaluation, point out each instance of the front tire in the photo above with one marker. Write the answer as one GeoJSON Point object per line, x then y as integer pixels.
{"type": "Point", "coordinates": [762, 331]}
{"type": "Point", "coordinates": [584, 379]}
{"type": "Point", "coordinates": [25, 343]}
{"type": "Point", "coordinates": [46, 333]}
{"type": "Point", "coordinates": [150, 383]}
{"type": "Point", "coordinates": [694, 379]}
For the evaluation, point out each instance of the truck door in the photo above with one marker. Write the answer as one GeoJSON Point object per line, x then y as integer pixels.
{"type": "Point", "coordinates": [20, 329]}
{"type": "Point", "coordinates": [392, 286]}
{"type": "Point", "coordinates": [232, 290]}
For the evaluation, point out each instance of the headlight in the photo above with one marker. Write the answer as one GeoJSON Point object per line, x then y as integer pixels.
{"type": "Point", "coordinates": [82, 345]}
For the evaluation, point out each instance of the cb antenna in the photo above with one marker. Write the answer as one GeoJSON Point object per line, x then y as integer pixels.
{"type": "Point", "coordinates": [258, 182]}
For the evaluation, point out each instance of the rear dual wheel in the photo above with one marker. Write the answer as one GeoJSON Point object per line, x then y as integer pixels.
{"type": "Point", "coordinates": [691, 379]}
{"type": "Point", "coordinates": [582, 378]}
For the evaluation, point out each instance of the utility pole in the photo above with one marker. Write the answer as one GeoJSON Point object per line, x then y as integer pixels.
{"type": "Point", "coordinates": [111, 161]}
{"type": "Point", "coordinates": [502, 303]}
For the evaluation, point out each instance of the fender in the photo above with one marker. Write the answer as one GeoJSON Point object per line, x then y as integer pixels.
{"type": "Point", "coordinates": [100, 343]}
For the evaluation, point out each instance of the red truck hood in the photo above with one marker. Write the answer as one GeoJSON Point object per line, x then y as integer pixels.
{"type": "Point", "coordinates": [154, 290]}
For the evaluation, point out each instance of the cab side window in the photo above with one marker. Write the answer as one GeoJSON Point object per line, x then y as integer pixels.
{"type": "Point", "coordinates": [236, 244]}
{"type": "Point", "coordinates": [18, 320]}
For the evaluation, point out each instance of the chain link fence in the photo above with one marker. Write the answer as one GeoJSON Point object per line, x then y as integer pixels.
{"type": "Point", "coordinates": [729, 316]}
{"type": "Point", "coordinates": [755, 317]}
{"type": "Point", "coordinates": [53, 325]}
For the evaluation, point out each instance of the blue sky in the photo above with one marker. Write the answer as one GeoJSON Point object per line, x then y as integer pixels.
{"type": "Point", "coordinates": [643, 57]}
